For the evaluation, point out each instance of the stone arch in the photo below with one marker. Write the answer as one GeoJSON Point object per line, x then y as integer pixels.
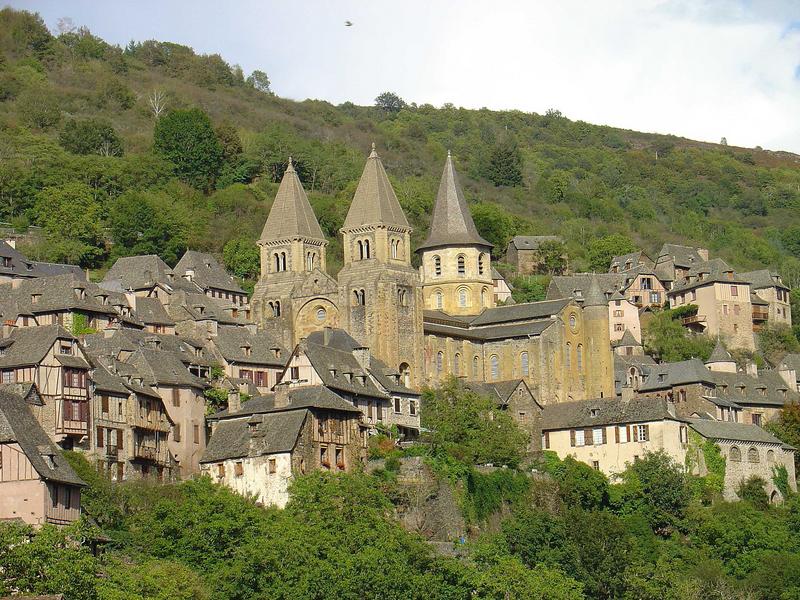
{"type": "Point", "coordinates": [735, 454]}
{"type": "Point", "coordinates": [753, 455]}
{"type": "Point", "coordinates": [308, 321]}
{"type": "Point", "coordinates": [462, 297]}
{"type": "Point", "coordinates": [405, 374]}
{"type": "Point", "coordinates": [461, 265]}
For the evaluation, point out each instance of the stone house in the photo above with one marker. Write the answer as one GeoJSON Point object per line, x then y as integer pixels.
{"type": "Point", "coordinates": [675, 261]}
{"type": "Point", "coordinates": [515, 397]}
{"type": "Point", "coordinates": [245, 354]}
{"type": "Point", "coordinates": [336, 360]}
{"type": "Point", "coordinates": [523, 252]}
{"type": "Point", "coordinates": [627, 262]}
{"type": "Point", "coordinates": [37, 484]}
{"type": "Point", "coordinates": [748, 451]}
{"type": "Point", "coordinates": [724, 309]}
{"type": "Point", "coordinates": [500, 288]}
{"type": "Point", "coordinates": [151, 312]}
{"type": "Point", "coordinates": [789, 368]}
{"type": "Point", "coordinates": [205, 271]}
{"type": "Point", "coordinates": [15, 265]}
{"type": "Point", "coordinates": [610, 433]}
{"type": "Point", "coordinates": [768, 287]}
{"type": "Point", "coordinates": [260, 448]}
{"type": "Point", "coordinates": [131, 424]}
{"type": "Point", "coordinates": [146, 276]}
{"type": "Point", "coordinates": [51, 358]}
{"type": "Point", "coordinates": [638, 285]}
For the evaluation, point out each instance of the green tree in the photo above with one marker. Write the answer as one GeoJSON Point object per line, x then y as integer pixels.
{"type": "Point", "coordinates": [187, 139]}
{"type": "Point", "coordinates": [775, 341]}
{"type": "Point", "coordinates": [552, 257]}
{"type": "Point", "coordinates": [145, 579]}
{"type": "Point", "coordinates": [39, 107]}
{"type": "Point", "coordinates": [91, 136]}
{"type": "Point", "coordinates": [241, 257]}
{"type": "Point", "coordinates": [71, 216]}
{"type": "Point", "coordinates": [390, 102]}
{"type": "Point", "coordinates": [752, 490]}
{"type": "Point", "coordinates": [229, 141]}
{"type": "Point", "coordinates": [259, 81]}
{"type": "Point", "coordinates": [531, 288]}
{"type": "Point", "coordinates": [504, 167]}
{"type": "Point", "coordinates": [495, 224]}
{"type": "Point", "coordinates": [603, 249]}
{"type": "Point", "coordinates": [667, 339]}
{"type": "Point", "coordinates": [578, 483]}
{"type": "Point", "coordinates": [787, 428]}
{"type": "Point", "coordinates": [656, 487]}
{"type": "Point", "coordinates": [470, 427]}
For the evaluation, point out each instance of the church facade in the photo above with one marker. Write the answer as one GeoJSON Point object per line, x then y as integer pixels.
{"type": "Point", "coordinates": [429, 322]}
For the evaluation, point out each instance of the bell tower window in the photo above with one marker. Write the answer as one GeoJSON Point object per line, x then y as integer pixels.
{"type": "Point", "coordinates": [462, 265]}
{"type": "Point", "coordinates": [482, 263]}
{"type": "Point", "coordinates": [437, 265]}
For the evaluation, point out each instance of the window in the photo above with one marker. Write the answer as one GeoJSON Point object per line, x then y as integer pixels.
{"type": "Point", "coordinates": [684, 434]}
{"type": "Point", "coordinates": [734, 290]}
{"type": "Point", "coordinates": [294, 373]}
{"type": "Point", "coordinates": [655, 298]}
{"type": "Point", "coordinates": [757, 419]}
{"type": "Point", "coordinates": [619, 327]}
{"type": "Point", "coordinates": [310, 261]}
{"type": "Point", "coordinates": [596, 465]}
{"type": "Point", "coordinates": [599, 436]}
{"type": "Point", "coordinates": [104, 404]}
{"type": "Point", "coordinates": [238, 469]}
{"type": "Point", "coordinates": [522, 416]}
{"type": "Point", "coordinates": [622, 434]}
{"type": "Point", "coordinates": [524, 366]}
{"type": "Point", "coordinates": [579, 357]}
{"type": "Point", "coordinates": [99, 442]}
{"type": "Point", "coordinates": [437, 265]}
{"type": "Point", "coordinates": [276, 308]}
{"type": "Point", "coordinates": [578, 437]}
{"type": "Point", "coordinates": [647, 283]}
{"type": "Point", "coordinates": [323, 456]}
{"type": "Point", "coordinates": [439, 362]}
{"type": "Point", "coordinates": [546, 440]}
{"type": "Point", "coordinates": [75, 378]}
{"type": "Point", "coordinates": [770, 456]}
{"type": "Point", "coordinates": [272, 466]}
{"type": "Point", "coordinates": [494, 362]}
{"type": "Point", "coordinates": [752, 455]}
{"type": "Point", "coordinates": [462, 265]}
{"type": "Point", "coordinates": [475, 366]}
{"type": "Point", "coordinates": [394, 246]}
{"type": "Point", "coordinates": [221, 470]}
{"type": "Point", "coordinates": [176, 397]}
{"type": "Point", "coordinates": [724, 309]}
{"type": "Point", "coordinates": [412, 407]}
{"type": "Point", "coordinates": [340, 459]}
{"type": "Point", "coordinates": [619, 313]}
{"type": "Point", "coordinates": [321, 314]}
{"type": "Point", "coordinates": [360, 297]}
{"type": "Point", "coordinates": [398, 407]}
{"type": "Point", "coordinates": [439, 300]}
{"type": "Point", "coordinates": [462, 297]}
{"type": "Point", "coordinates": [176, 432]}
{"type": "Point", "coordinates": [196, 432]}
{"type": "Point", "coordinates": [457, 365]}
{"type": "Point", "coordinates": [641, 433]}
{"type": "Point", "coordinates": [481, 263]}
{"type": "Point", "coordinates": [366, 249]}
{"type": "Point", "coordinates": [735, 454]}
{"type": "Point", "coordinates": [736, 309]}
{"type": "Point", "coordinates": [568, 355]}
{"type": "Point", "coordinates": [484, 296]}
{"type": "Point", "coordinates": [573, 321]}
{"type": "Point", "coordinates": [402, 297]}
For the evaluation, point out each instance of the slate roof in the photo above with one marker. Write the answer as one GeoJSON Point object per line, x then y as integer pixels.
{"type": "Point", "coordinates": [385, 376]}
{"type": "Point", "coordinates": [737, 432]}
{"type": "Point", "coordinates": [452, 223]}
{"type": "Point", "coordinates": [231, 342]}
{"type": "Point", "coordinates": [713, 271]}
{"type": "Point", "coordinates": [765, 390]}
{"type": "Point", "coordinates": [159, 367]}
{"type": "Point", "coordinates": [291, 215]}
{"type": "Point", "coordinates": [577, 285]}
{"type": "Point", "coordinates": [151, 312]}
{"type": "Point", "coordinates": [18, 425]}
{"type": "Point", "coordinates": [677, 373]}
{"type": "Point", "coordinates": [568, 415]}
{"type": "Point", "coordinates": [208, 272]}
{"type": "Point", "coordinates": [274, 433]}
{"type": "Point", "coordinates": [22, 267]}
{"type": "Point", "coordinates": [196, 306]}
{"type": "Point", "coordinates": [375, 202]}
{"type": "Point", "coordinates": [525, 311]}
{"type": "Point", "coordinates": [792, 361]}
{"type": "Point", "coordinates": [532, 242]}
{"type": "Point", "coordinates": [763, 278]}
{"type": "Point", "coordinates": [720, 354]}
{"type": "Point", "coordinates": [627, 339]}
{"type": "Point", "coordinates": [130, 341]}
{"type": "Point", "coordinates": [325, 359]}
{"type": "Point", "coordinates": [139, 272]}
{"type": "Point", "coordinates": [453, 328]}
{"type": "Point", "coordinates": [29, 345]}
{"type": "Point", "coordinates": [105, 381]}
{"type": "Point", "coordinates": [300, 397]}
{"type": "Point", "coordinates": [682, 256]}
{"type": "Point", "coordinates": [498, 390]}
{"type": "Point", "coordinates": [634, 258]}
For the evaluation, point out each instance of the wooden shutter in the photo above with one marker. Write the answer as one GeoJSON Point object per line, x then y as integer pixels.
{"type": "Point", "coordinates": [196, 433]}
{"type": "Point", "coordinates": [647, 433]}
{"type": "Point", "coordinates": [571, 437]}
{"type": "Point", "coordinates": [176, 432]}
{"type": "Point", "coordinates": [119, 439]}
{"type": "Point", "coordinates": [616, 434]}
{"type": "Point", "coordinates": [628, 432]}
{"type": "Point", "coordinates": [104, 403]}
{"type": "Point", "coordinates": [588, 437]}
{"type": "Point", "coordinates": [99, 437]}
{"type": "Point", "coordinates": [605, 437]}
{"type": "Point", "coordinates": [546, 440]}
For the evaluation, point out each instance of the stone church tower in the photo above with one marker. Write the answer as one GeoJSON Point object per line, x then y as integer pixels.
{"type": "Point", "coordinates": [380, 297]}
{"type": "Point", "coordinates": [599, 377]}
{"type": "Point", "coordinates": [294, 295]}
{"type": "Point", "coordinates": [456, 265]}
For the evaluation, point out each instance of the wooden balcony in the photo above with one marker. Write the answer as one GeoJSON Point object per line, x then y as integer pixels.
{"type": "Point", "coordinates": [153, 424]}
{"type": "Point", "coordinates": [150, 453]}
{"type": "Point", "coordinates": [112, 452]}
{"type": "Point", "coordinates": [694, 320]}
{"type": "Point", "coordinates": [760, 315]}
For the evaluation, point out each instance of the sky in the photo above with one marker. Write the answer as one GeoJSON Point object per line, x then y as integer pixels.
{"type": "Point", "coordinates": [702, 69]}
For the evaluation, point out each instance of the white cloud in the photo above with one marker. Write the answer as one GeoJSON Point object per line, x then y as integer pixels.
{"type": "Point", "coordinates": [697, 68]}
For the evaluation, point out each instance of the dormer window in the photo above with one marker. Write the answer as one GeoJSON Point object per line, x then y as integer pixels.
{"type": "Point", "coordinates": [348, 376]}
{"type": "Point", "coordinates": [7, 262]}
{"type": "Point", "coordinates": [80, 293]}
{"type": "Point", "coordinates": [595, 412]}
{"type": "Point", "coordinates": [65, 348]}
{"type": "Point", "coordinates": [276, 352]}
{"type": "Point", "coordinates": [246, 350]}
{"type": "Point", "coordinates": [35, 298]}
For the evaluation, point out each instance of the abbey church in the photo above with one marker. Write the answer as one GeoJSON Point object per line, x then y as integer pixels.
{"type": "Point", "coordinates": [429, 322]}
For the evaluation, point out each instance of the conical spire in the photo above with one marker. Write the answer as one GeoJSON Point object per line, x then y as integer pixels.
{"type": "Point", "coordinates": [719, 354]}
{"type": "Point", "coordinates": [452, 223]}
{"type": "Point", "coordinates": [291, 215]}
{"type": "Point", "coordinates": [374, 202]}
{"type": "Point", "coordinates": [594, 296]}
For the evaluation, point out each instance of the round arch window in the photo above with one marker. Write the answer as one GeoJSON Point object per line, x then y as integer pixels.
{"type": "Point", "coordinates": [321, 314]}
{"type": "Point", "coordinates": [573, 322]}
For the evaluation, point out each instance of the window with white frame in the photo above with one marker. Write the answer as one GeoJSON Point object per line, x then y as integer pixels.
{"type": "Point", "coordinates": [580, 440]}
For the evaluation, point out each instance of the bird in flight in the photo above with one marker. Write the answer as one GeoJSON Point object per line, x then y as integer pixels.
{"type": "Point", "coordinates": [348, 23]}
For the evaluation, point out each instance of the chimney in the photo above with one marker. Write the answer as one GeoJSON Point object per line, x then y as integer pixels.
{"type": "Point", "coordinates": [8, 327]}
{"type": "Point", "coordinates": [362, 355]}
{"type": "Point", "coordinates": [751, 368]}
{"type": "Point", "coordinates": [326, 336]}
{"type": "Point", "coordinates": [789, 375]}
{"type": "Point", "coordinates": [234, 401]}
{"type": "Point", "coordinates": [282, 399]}
{"type": "Point", "coordinates": [189, 275]}
{"type": "Point", "coordinates": [627, 393]}
{"type": "Point", "coordinates": [703, 252]}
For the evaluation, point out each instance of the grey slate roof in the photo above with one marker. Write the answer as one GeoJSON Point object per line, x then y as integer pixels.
{"type": "Point", "coordinates": [763, 278]}
{"type": "Point", "coordinates": [633, 258]}
{"type": "Point", "coordinates": [677, 373]}
{"type": "Point", "coordinates": [234, 438]}
{"type": "Point", "coordinates": [18, 425]}
{"type": "Point", "coordinates": [151, 312]}
{"type": "Point", "coordinates": [130, 341]}
{"type": "Point", "coordinates": [139, 272]}
{"type": "Point", "coordinates": [452, 223]}
{"type": "Point", "coordinates": [208, 272]}
{"type": "Point", "coordinates": [765, 390]}
{"type": "Point", "coordinates": [792, 361]}
{"type": "Point", "coordinates": [159, 367]}
{"type": "Point", "coordinates": [21, 267]}
{"type": "Point", "coordinates": [196, 306]}
{"type": "Point", "coordinates": [291, 215]}
{"type": "Point", "coordinates": [682, 256]}
{"type": "Point", "coordinates": [720, 354]}
{"type": "Point", "coordinates": [737, 432]}
{"type": "Point", "coordinates": [577, 285]}
{"type": "Point", "coordinates": [715, 270]}
{"type": "Point", "coordinates": [525, 311]}
{"type": "Point", "coordinates": [375, 202]}
{"type": "Point", "coordinates": [627, 339]}
{"type": "Point", "coordinates": [568, 415]}
{"type": "Point", "coordinates": [29, 345]}
{"type": "Point", "coordinates": [532, 242]}
{"type": "Point", "coordinates": [497, 390]}
{"type": "Point", "coordinates": [326, 359]}
{"type": "Point", "coordinates": [105, 381]}
{"type": "Point", "coordinates": [231, 342]}
{"type": "Point", "coordinates": [300, 397]}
